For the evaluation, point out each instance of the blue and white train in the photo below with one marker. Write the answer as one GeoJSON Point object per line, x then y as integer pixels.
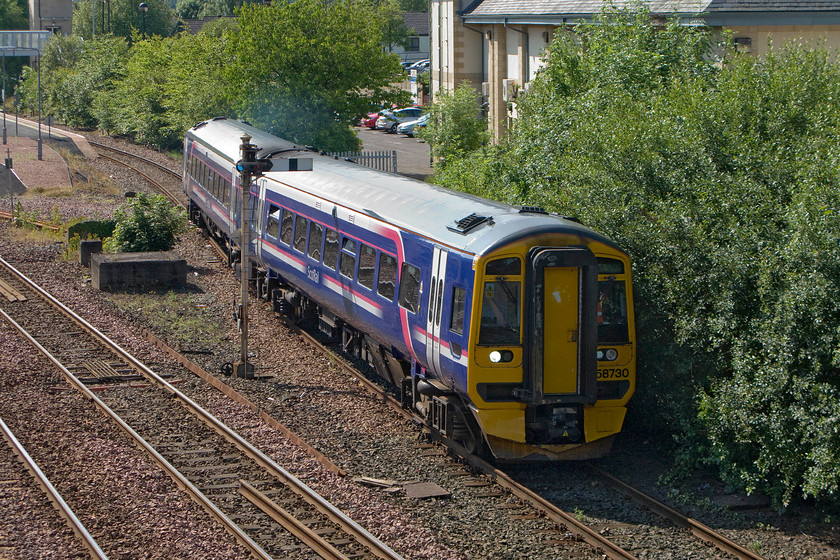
{"type": "Point", "coordinates": [507, 329]}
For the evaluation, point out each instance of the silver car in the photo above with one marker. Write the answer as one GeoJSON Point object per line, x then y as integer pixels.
{"type": "Point", "coordinates": [409, 127]}
{"type": "Point", "coordinates": [389, 120]}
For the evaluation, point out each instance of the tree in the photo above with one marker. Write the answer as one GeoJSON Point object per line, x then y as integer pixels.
{"type": "Point", "coordinates": [126, 18]}
{"type": "Point", "coordinates": [307, 70]}
{"type": "Point", "coordinates": [146, 223]}
{"type": "Point", "coordinates": [717, 173]}
{"type": "Point", "coordinates": [391, 20]}
{"type": "Point", "coordinates": [13, 15]}
{"type": "Point", "coordinates": [455, 127]}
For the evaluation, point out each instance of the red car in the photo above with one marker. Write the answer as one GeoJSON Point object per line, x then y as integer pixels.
{"type": "Point", "coordinates": [369, 120]}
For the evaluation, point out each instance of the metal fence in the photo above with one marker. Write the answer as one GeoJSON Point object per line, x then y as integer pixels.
{"type": "Point", "coordinates": [381, 161]}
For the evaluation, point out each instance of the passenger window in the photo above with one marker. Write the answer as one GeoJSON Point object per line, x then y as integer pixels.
{"type": "Point", "coordinates": [348, 258]}
{"type": "Point", "coordinates": [316, 236]}
{"type": "Point", "coordinates": [286, 227]}
{"type": "Point", "coordinates": [459, 304]}
{"type": "Point", "coordinates": [387, 276]}
{"type": "Point", "coordinates": [367, 264]}
{"type": "Point", "coordinates": [410, 288]}
{"type": "Point", "coordinates": [226, 193]}
{"type": "Point", "coordinates": [331, 249]}
{"type": "Point", "coordinates": [300, 234]}
{"type": "Point", "coordinates": [272, 226]}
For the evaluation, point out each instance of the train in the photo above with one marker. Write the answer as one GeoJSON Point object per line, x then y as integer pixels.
{"type": "Point", "coordinates": [507, 329]}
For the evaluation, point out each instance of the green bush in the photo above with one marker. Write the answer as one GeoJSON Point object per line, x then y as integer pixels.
{"type": "Point", "coordinates": [718, 173]}
{"type": "Point", "coordinates": [146, 223]}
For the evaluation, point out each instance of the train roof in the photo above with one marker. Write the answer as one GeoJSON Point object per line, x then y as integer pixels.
{"type": "Point", "coordinates": [465, 222]}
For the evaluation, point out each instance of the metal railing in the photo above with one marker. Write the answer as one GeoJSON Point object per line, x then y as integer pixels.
{"type": "Point", "coordinates": [381, 160]}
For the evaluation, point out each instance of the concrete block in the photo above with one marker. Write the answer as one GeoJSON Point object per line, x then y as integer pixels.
{"type": "Point", "coordinates": [87, 247]}
{"type": "Point", "coordinates": [134, 270]}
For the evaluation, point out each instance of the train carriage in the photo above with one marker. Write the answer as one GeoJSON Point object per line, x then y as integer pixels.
{"type": "Point", "coordinates": [508, 329]}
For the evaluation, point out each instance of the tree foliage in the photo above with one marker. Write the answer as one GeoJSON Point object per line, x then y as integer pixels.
{"type": "Point", "coordinates": [455, 127]}
{"type": "Point", "coordinates": [718, 173]}
{"type": "Point", "coordinates": [307, 70]}
{"type": "Point", "coordinates": [146, 223]}
{"type": "Point", "coordinates": [125, 18]}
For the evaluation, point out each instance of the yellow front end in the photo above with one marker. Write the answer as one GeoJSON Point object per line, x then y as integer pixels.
{"type": "Point", "coordinates": [553, 339]}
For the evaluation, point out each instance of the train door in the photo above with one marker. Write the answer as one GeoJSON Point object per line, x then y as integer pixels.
{"type": "Point", "coordinates": [259, 220]}
{"type": "Point", "coordinates": [563, 324]}
{"type": "Point", "coordinates": [435, 309]}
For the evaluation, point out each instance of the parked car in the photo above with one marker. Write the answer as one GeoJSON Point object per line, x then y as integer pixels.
{"type": "Point", "coordinates": [409, 127]}
{"type": "Point", "coordinates": [421, 66]}
{"type": "Point", "coordinates": [389, 120]}
{"type": "Point", "coordinates": [369, 120]}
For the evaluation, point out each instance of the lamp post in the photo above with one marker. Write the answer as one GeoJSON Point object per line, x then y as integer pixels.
{"type": "Point", "coordinates": [143, 9]}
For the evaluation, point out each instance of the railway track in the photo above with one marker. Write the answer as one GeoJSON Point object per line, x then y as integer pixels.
{"type": "Point", "coordinates": [121, 157]}
{"type": "Point", "coordinates": [10, 471]}
{"type": "Point", "coordinates": [268, 510]}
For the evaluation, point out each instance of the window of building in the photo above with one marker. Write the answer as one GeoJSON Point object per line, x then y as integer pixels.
{"type": "Point", "coordinates": [413, 44]}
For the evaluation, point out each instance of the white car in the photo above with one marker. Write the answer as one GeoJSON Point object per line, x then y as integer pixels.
{"type": "Point", "coordinates": [409, 127]}
{"type": "Point", "coordinates": [389, 120]}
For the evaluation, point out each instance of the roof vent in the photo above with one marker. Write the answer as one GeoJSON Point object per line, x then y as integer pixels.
{"type": "Point", "coordinates": [469, 223]}
{"type": "Point", "coordinates": [531, 210]}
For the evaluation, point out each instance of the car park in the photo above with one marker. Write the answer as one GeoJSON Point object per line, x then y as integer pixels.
{"type": "Point", "coordinates": [389, 120]}
{"type": "Point", "coordinates": [410, 127]}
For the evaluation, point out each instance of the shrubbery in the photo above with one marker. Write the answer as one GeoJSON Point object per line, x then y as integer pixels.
{"type": "Point", "coordinates": [146, 223]}
{"type": "Point", "coordinates": [719, 174]}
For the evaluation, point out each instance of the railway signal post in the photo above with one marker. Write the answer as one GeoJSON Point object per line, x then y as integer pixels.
{"type": "Point", "coordinates": [249, 153]}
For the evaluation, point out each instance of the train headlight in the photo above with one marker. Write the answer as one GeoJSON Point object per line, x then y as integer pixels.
{"type": "Point", "coordinates": [609, 355]}
{"type": "Point", "coordinates": [497, 356]}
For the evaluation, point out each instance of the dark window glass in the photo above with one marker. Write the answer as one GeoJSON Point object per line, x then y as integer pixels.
{"type": "Point", "coordinates": [612, 311]}
{"type": "Point", "coordinates": [413, 44]}
{"type": "Point", "coordinates": [439, 303]}
{"type": "Point", "coordinates": [387, 276]}
{"type": "Point", "coordinates": [300, 233]}
{"type": "Point", "coordinates": [459, 305]}
{"type": "Point", "coordinates": [508, 266]}
{"type": "Point", "coordinates": [226, 193]}
{"type": "Point", "coordinates": [500, 313]}
{"type": "Point", "coordinates": [410, 287]}
{"type": "Point", "coordinates": [610, 266]}
{"type": "Point", "coordinates": [331, 249]}
{"type": "Point", "coordinates": [348, 258]}
{"type": "Point", "coordinates": [367, 264]}
{"type": "Point", "coordinates": [316, 236]}
{"type": "Point", "coordinates": [272, 226]}
{"type": "Point", "coordinates": [286, 227]}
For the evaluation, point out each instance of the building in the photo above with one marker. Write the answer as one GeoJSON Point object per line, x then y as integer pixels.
{"type": "Point", "coordinates": [51, 15]}
{"type": "Point", "coordinates": [497, 44]}
{"type": "Point", "coordinates": [419, 45]}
